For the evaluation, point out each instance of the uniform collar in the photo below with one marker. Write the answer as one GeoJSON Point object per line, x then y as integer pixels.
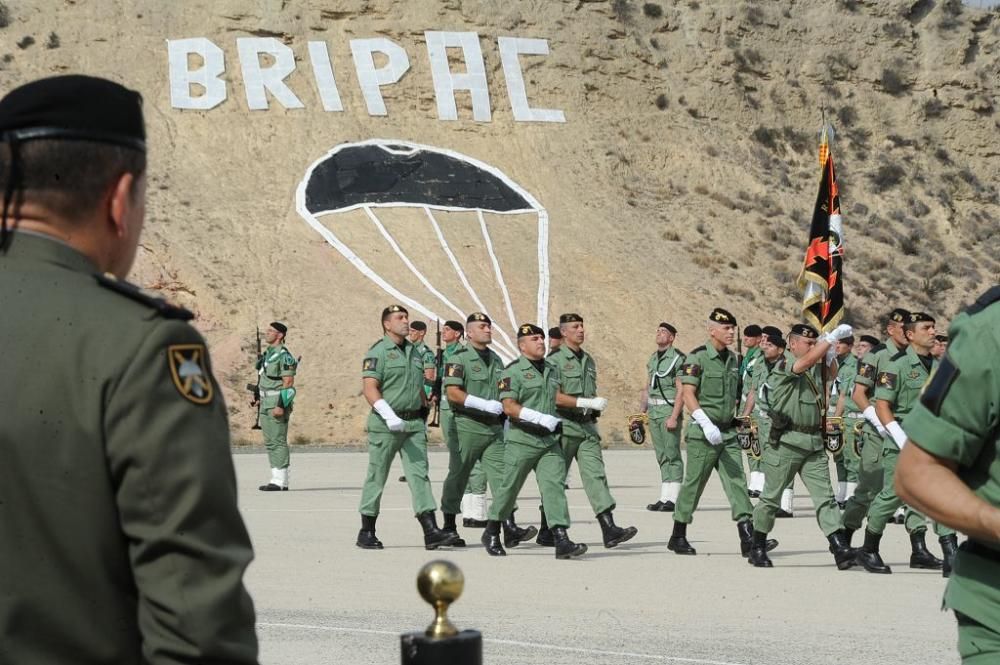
{"type": "Point", "coordinates": [913, 356]}
{"type": "Point", "coordinates": [389, 344]}
{"type": "Point", "coordinates": [39, 247]}
{"type": "Point", "coordinates": [712, 353]}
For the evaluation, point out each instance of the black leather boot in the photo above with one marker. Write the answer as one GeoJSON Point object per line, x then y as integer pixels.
{"type": "Point", "coordinates": [842, 552]}
{"type": "Point", "coordinates": [366, 537]}
{"type": "Point", "coordinates": [949, 547]}
{"type": "Point", "coordinates": [678, 542]}
{"type": "Point", "coordinates": [868, 555]}
{"type": "Point", "coordinates": [746, 530]}
{"type": "Point", "coordinates": [566, 548]}
{"type": "Point", "coordinates": [471, 523]}
{"type": "Point", "coordinates": [614, 535]}
{"type": "Point", "coordinates": [513, 535]}
{"type": "Point", "coordinates": [921, 557]}
{"type": "Point", "coordinates": [544, 538]}
{"type": "Point", "coordinates": [758, 550]}
{"type": "Point", "coordinates": [433, 536]}
{"type": "Point", "coordinates": [449, 527]}
{"type": "Point", "coordinates": [491, 539]}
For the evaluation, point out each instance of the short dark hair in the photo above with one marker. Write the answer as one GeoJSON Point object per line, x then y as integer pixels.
{"type": "Point", "coordinates": [67, 177]}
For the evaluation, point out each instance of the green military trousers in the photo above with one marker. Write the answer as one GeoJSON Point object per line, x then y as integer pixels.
{"type": "Point", "coordinates": [549, 465]}
{"type": "Point", "coordinates": [275, 432]}
{"type": "Point", "coordinates": [887, 502]}
{"type": "Point", "coordinates": [702, 457]}
{"type": "Point", "coordinates": [781, 463]}
{"type": "Point", "coordinates": [476, 483]}
{"type": "Point", "coordinates": [586, 450]}
{"type": "Point", "coordinates": [382, 448]}
{"type": "Point", "coordinates": [472, 448]}
{"type": "Point", "coordinates": [667, 445]}
{"type": "Point", "coordinates": [870, 479]}
{"type": "Point", "coordinates": [977, 644]}
{"type": "Point", "coordinates": [848, 461]}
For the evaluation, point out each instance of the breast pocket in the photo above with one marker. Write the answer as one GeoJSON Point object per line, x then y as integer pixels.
{"type": "Point", "coordinates": [572, 381]}
{"type": "Point", "coordinates": [713, 384]}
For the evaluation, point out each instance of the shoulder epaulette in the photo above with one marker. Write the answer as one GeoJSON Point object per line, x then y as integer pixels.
{"type": "Point", "coordinates": [374, 345]}
{"type": "Point", "coordinates": [464, 349]}
{"type": "Point", "coordinates": [698, 350]}
{"type": "Point", "coordinates": [876, 349]}
{"type": "Point", "coordinates": [511, 363]}
{"type": "Point", "coordinates": [985, 300]}
{"type": "Point", "coordinates": [133, 292]}
{"type": "Point", "coordinates": [901, 354]}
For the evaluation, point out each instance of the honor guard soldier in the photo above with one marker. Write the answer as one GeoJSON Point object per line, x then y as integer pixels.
{"type": "Point", "coordinates": [555, 339]}
{"type": "Point", "coordinates": [528, 388]}
{"type": "Point", "coordinates": [662, 403]}
{"type": "Point", "coordinates": [276, 368]}
{"type": "Point", "coordinates": [579, 406]}
{"type": "Point", "coordinates": [872, 438]}
{"type": "Point", "coordinates": [949, 471]}
{"type": "Point", "coordinates": [471, 383]}
{"type": "Point", "coordinates": [897, 390]}
{"type": "Point", "coordinates": [940, 345]}
{"type": "Point", "coordinates": [796, 443]}
{"type": "Point", "coordinates": [393, 383]}
{"type": "Point", "coordinates": [711, 392]}
{"type": "Point", "coordinates": [121, 538]}
{"type": "Point", "coordinates": [418, 331]}
{"type": "Point", "coordinates": [846, 408]}
{"type": "Point", "coordinates": [752, 337]}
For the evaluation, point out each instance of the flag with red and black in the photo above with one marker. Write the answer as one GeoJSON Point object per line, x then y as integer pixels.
{"type": "Point", "coordinates": [822, 276]}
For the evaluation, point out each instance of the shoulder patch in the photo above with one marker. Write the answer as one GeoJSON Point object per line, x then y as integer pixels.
{"type": "Point", "coordinates": [937, 388]}
{"type": "Point", "coordinates": [504, 384]}
{"type": "Point", "coordinates": [866, 371]}
{"type": "Point", "coordinates": [133, 292]}
{"type": "Point", "coordinates": [454, 370]}
{"type": "Point", "coordinates": [887, 380]}
{"type": "Point", "coordinates": [901, 354]}
{"type": "Point", "coordinates": [189, 372]}
{"type": "Point", "coordinates": [369, 364]}
{"type": "Point", "coordinates": [985, 300]}
{"type": "Point", "coordinates": [691, 370]}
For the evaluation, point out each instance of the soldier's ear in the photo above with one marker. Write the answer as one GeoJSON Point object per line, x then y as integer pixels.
{"type": "Point", "coordinates": [126, 202]}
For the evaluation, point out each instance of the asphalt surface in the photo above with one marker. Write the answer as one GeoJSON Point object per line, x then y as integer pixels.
{"type": "Point", "coordinates": [321, 600]}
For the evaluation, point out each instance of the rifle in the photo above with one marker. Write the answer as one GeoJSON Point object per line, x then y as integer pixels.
{"type": "Point", "coordinates": [254, 388]}
{"type": "Point", "coordinates": [438, 376]}
{"type": "Point", "coordinates": [739, 371]}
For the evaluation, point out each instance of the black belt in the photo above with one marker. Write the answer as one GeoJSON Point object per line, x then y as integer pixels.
{"type": "Point", "coordinates": [815, 429]}
{"type": "Point", "coordinates": [972, 547]}
{"type": "Point", "coordinates": [532, 428]}
{"type": "Point", "coordinates": [576, 416]}
{"type": "Point", "coordinates": [480, 416]}
{"type": "Point", "coordinates": [419, 414]}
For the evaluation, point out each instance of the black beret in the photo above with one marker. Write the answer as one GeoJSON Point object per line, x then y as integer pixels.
{"type": "Point", "coordinates": [804, 330]}
{"type": "Point", "coordinates": [664, 324]}
{"type": "Point", "coordinates": [752, 330]}
{"type": "Point", "coordinates": [870, 340]}
{"type": "Point", "coordinates": [555, 333]}
{"type": "Point", "coordinates": [392, 309]}
{"type": "Point", "coordinates": [454, 325]}
{"type": "Point", "coordinates": [941, 337]}
{"type": "Point", "coordinates": [478, 316]}
{"type": "Point", "coordinates": [418, 325]}
{"type": "Point", "coordinates": [899, 315]}
{"type": "Point", "coordinates": [720, 315]}
{"type": "Point", "coordinates": [570, 318]}
{"type": "Point", "coordinates": [529, 329]}
{"type": "Point", "coordinates": [74, 107]}
{"type": "Point", "coordinates": [280, 327]}
{"type": "Point", "coordinates": [774, 335]}
{"type": "Point", "coordinates": [920, 317]}
{"type": "Point", "coordinates": [849, 340]}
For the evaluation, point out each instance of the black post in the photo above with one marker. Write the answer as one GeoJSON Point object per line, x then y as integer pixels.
{"type": "Point", "coordinates": [440, 583]}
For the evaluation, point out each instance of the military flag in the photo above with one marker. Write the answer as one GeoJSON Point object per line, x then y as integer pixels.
{"type": "Point", "coordinates": [822, 276]}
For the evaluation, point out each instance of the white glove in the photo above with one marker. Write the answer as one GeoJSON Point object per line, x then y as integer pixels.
{"type": "Point", "coordinates": [595, 403]}
{"type": "Point", "coordinates": [480, 404]}
{"type": "Point", "coordinates": [872, 418]}
{"type": "Point", "coordinates": [542, 419]}
{"type": "Point", "coordinates": [549, 422]}
{"type": "Point", "coordinates": [392, 421]}
{"type": "Point", "coordinates": [712, 433]}
{"type": "Point", "coordinates": [831, 354]}
{"type": "Point", "coordinates": [838, 333]}
{"type": "Point", "coordinates": [896, 432]}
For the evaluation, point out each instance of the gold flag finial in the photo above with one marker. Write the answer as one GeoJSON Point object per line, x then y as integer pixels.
{"type": "Point", "coordinates": [440, 583]}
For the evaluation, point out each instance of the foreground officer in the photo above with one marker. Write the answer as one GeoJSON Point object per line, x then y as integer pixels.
{"type": "Point", "coordinates": [120, 538]}
{"type": "Point", "coordinates": [276, 368]}
{"type": "Point", "coordinates": [578, 405]}
{"type": "Point", "coordinates": [949, 471]}
{"type": "Point", "coordinates": [797, 447]}
{"type": "Point", "coordinates": [662, 403]}
{"type": "Point", "coordinates": [711, 394]}
{"type": "Point", "coordinates": [392, 382]}
{"type": "Point", "coordinates": [528, 388]}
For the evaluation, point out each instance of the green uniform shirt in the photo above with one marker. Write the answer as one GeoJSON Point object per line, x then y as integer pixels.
{"type": "Point", "coordinates": [276, 363]}
{"type": "Point", "coordinates": [446, 355]}
{"type": "Point", "coordinates": [901, 381]}
{"type": "Point", "coordinates": [762, 389]}
{"type": "Point", "coordinates": [577, 378]}
{"type": "Point", "coordinates": [662, 370]}
{"type": "Point", "coordinates": [467, 369]}
{"type": "Point", "coordinates": [400, 374]}
{"type": "Point", "coordinates": [533, 388]}
{"type": "Point", "coordinates": [796, 404]}
{"type": "Point", "coordinates": [845, 383]}
{"type": "Point", "coordinates": [715, 377]}
{"type": "Point", "coordinates": [120, 537]}
{"type": "Point", "coordinates": [958, 419]}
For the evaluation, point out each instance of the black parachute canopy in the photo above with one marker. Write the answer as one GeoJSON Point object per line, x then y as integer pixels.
{"type": "Point", "coordinates": [373, 174]}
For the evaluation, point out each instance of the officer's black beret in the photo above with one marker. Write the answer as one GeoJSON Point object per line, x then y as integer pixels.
{"type": "Point", "coordinates": [529, 329]}
{"type": "Point", "coordinates": [555, 333]}
{"type": "Point", "coordinates": [804, 330]}
{"type": "Point", "coordinates": [570, 318]}
{"type": "Point", "coordinates": [899, 315]}
{"type": "Point", "coordinates": [455, 325]}
{"type": "Point", "coordinates": [870, 340]}
{"type": "Point", "coordinates": [280, 327]}
{"type": "Point", "coordinates": [392, 309]}
{"type": "Point", "coordinates": [920, 317]}
{"type": "Point", "coordinates": [478, 316]}
{"type": "Point", "coordinates": [664, 324]}
{"type": "Point", "coordinates": [774, 335]}
{"type": "Point", "coordinates": [418, 325]}
{"type": "Point", "coordinates": [752, 330]}
{"type": "Point", "coordinates": [720, 315]}
{"type": "Point", "coordinates": [74, 107]}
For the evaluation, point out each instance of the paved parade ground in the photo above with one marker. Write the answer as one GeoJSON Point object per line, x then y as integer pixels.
{"type": "Point", "coordinates": [320, 600]}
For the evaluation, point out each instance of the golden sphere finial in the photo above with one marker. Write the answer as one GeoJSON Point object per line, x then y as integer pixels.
{"type": "Point", "coordinates": [440, 583]}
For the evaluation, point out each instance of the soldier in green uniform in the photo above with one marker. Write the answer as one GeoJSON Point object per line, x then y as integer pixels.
{"type": "Point", "coordinates": [711, 392]}
{"type": "Point", "coordinates": [772, 347]}
{"type": "Point", "coordinates": [418, 331]}
{"type": "Point", "coordinates": [276, 368]}
{"type": "Point", "coordinates": [840, 397]}
{"type": "Point", "coordinates": [555, 339]}
{"type": "Point", "coordinates": [898, 388]}
{"type": "Point", "coordinates": [528, 388]}
{"type": "Point", "coordinates": [392, 381]}
{"type": "Point", "coordinates": [949, 471]}
{"type": "Point", "coordinates": [872, 435]}
{"type": "Point", "coordinates": [121, 538]}
{"type": "Point", "coordinates": [752, 337]}
{"type": "Point", "coordinates": [940, 345]}
{"type": "Point", "coordinates": [661, 402]}
{"type": "Point", "coordinates": [797, 404]}
{"type": "Point", "coordinates": [579, 407]}
{"type": "Point", "coordinates": [471, 381]}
